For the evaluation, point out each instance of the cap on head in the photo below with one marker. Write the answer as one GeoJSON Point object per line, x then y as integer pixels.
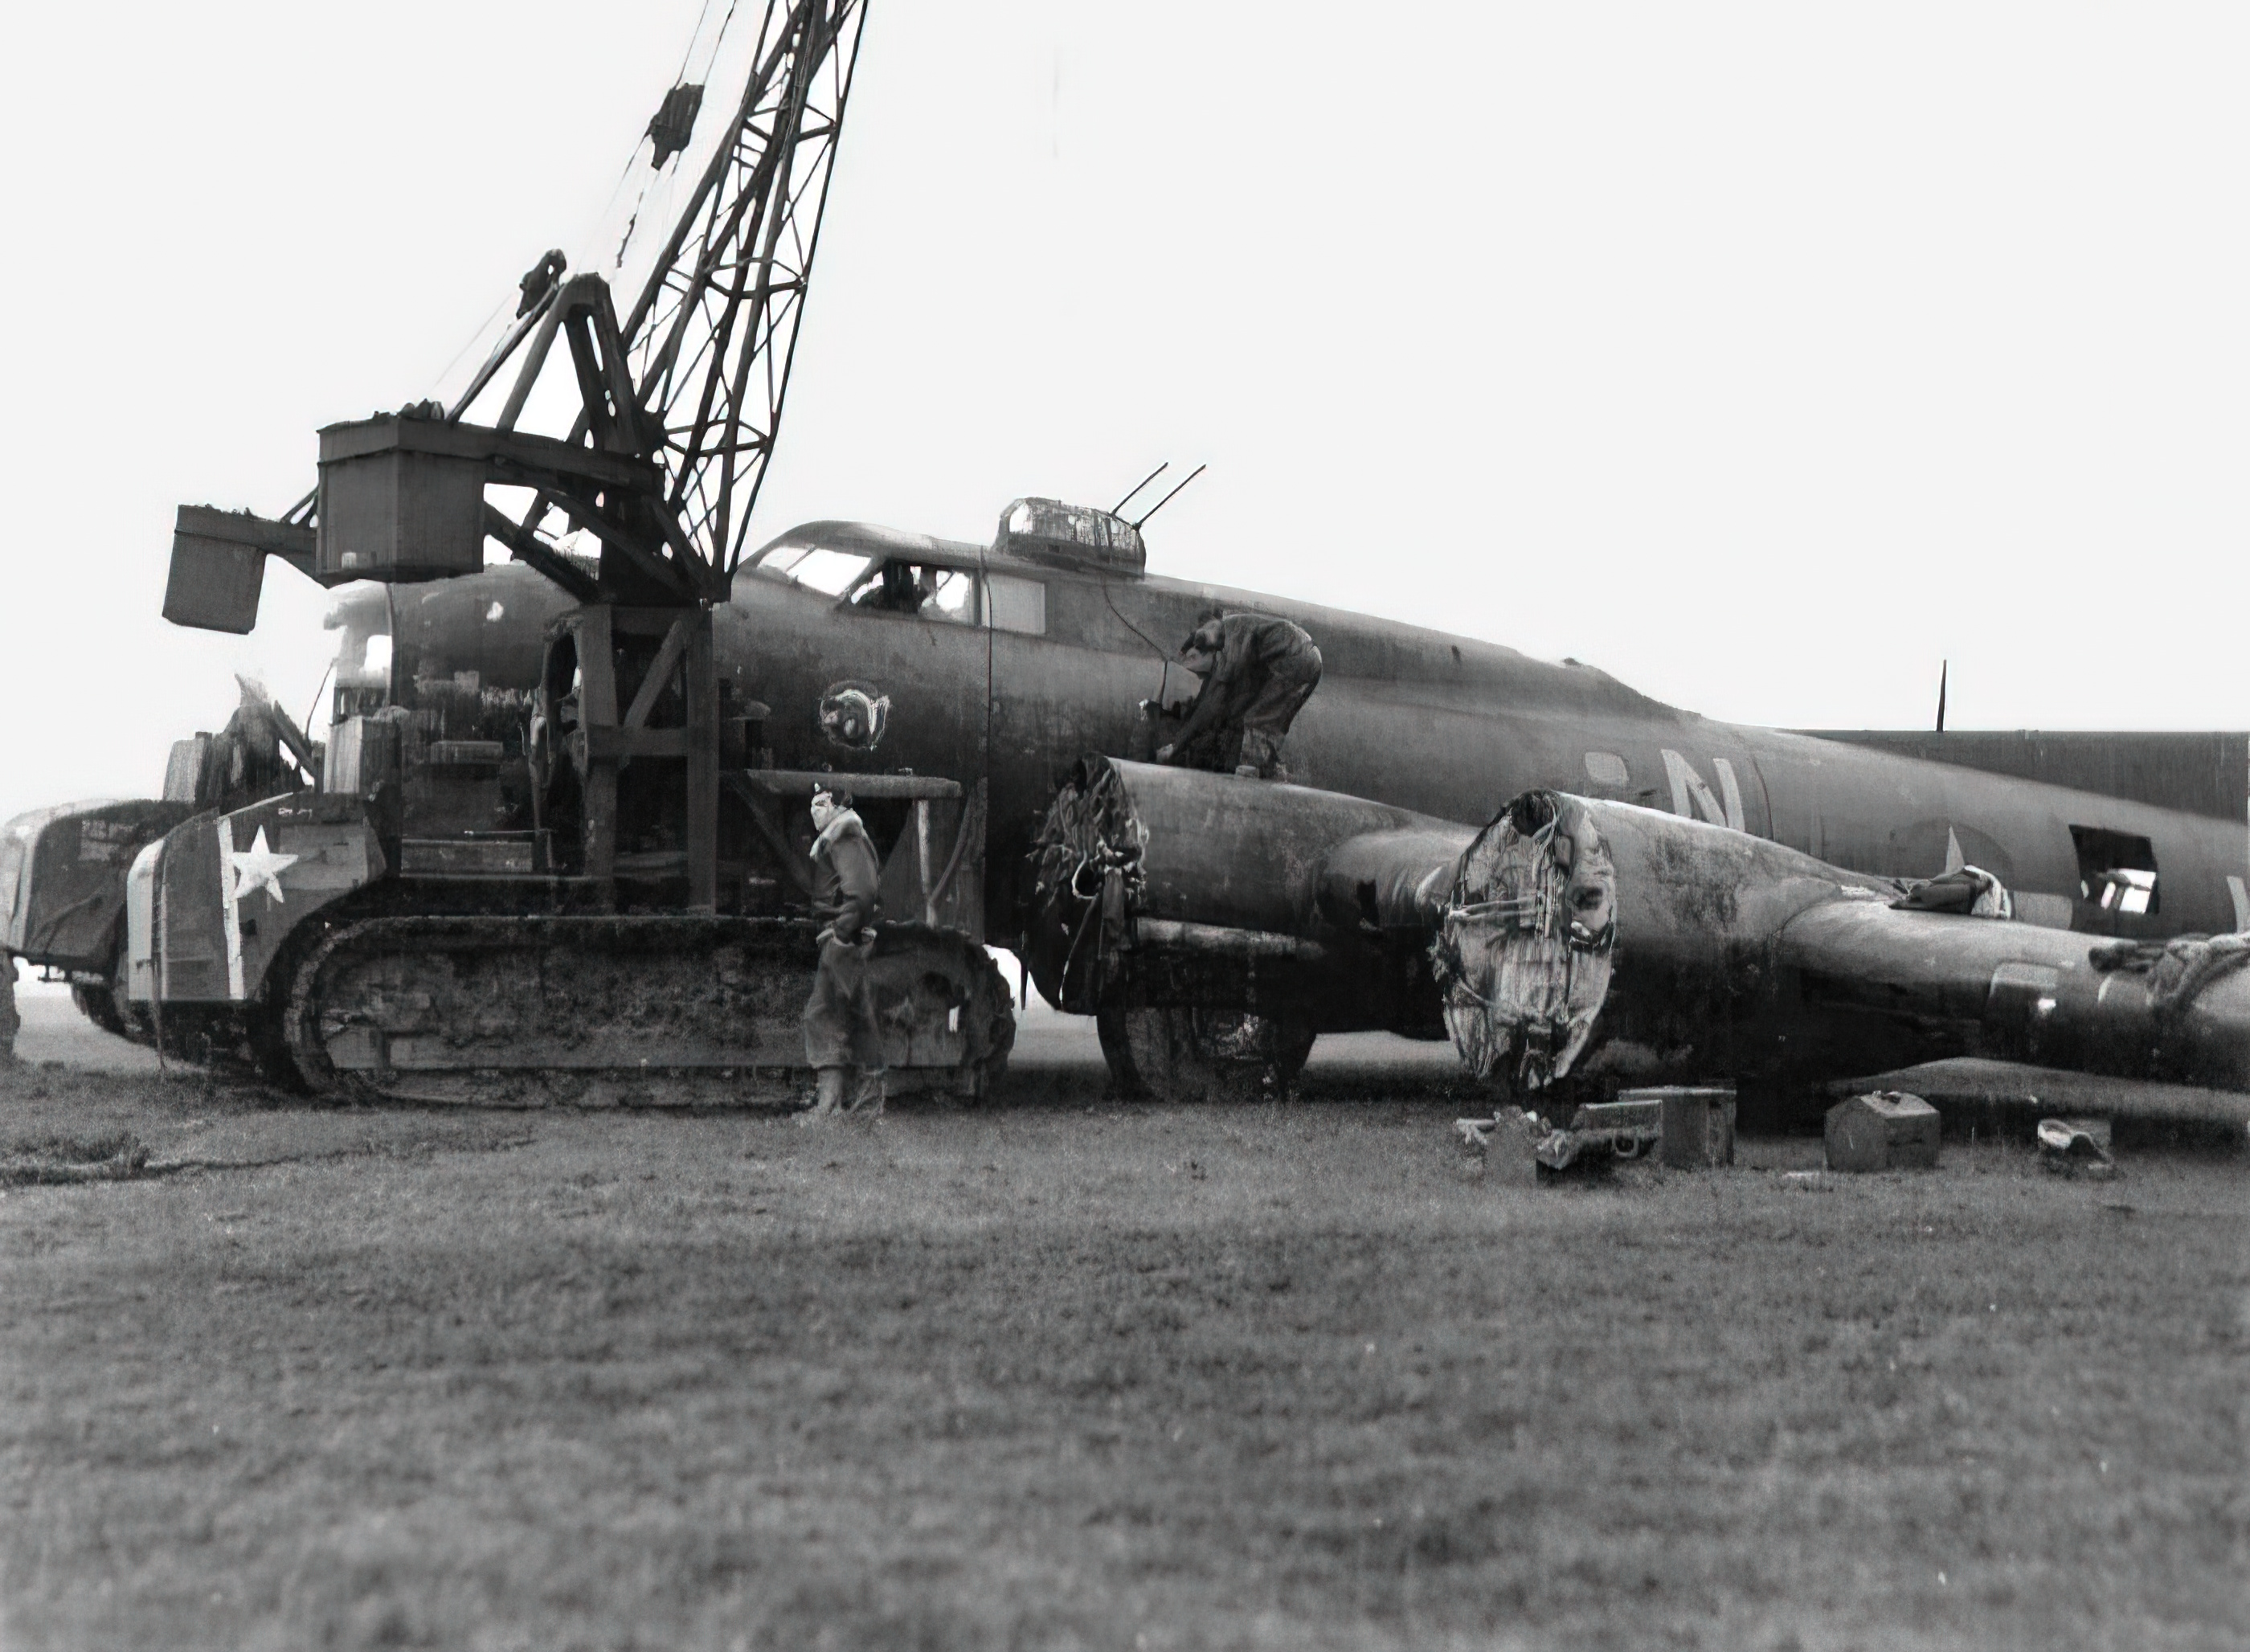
{"type": "Point", "coordinates": [1206, 638]}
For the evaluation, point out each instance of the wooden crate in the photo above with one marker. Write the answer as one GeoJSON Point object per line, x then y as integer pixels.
{"type": "Point", "coordinates": [1696, 1123]}
{"type": "Point", "coordinates": [1884, 1130]}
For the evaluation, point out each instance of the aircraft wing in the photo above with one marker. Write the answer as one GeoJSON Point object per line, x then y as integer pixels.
{"type": "Point", "coordinates": [2177, 1012]}
{"type": "Point", "coordinates": [2055, 1090]}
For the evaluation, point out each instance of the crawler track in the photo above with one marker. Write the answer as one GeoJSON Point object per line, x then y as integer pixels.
{"type": "Point", "coordinates": [654, 1011]}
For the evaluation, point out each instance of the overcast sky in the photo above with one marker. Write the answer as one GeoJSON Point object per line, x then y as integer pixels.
{"type": "Point", "coordinates": [1761, 355]}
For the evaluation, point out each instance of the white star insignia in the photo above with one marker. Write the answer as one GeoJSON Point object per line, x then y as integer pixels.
{"type": "Point", "coordinates": [259, 867]}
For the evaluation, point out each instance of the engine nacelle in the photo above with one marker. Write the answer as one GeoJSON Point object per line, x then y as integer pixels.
{"type": "Point", "coordinates": [1574, 938]}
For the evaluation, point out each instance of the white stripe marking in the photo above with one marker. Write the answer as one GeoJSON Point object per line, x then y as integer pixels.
{"type": "Point", "coordinates": [227, 915]}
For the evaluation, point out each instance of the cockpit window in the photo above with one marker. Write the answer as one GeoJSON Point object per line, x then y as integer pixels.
{"type": "Point", "coordinates": [879, 584]}
{"type": "Point", "coordinates": [954, 597]}
{"type": "Point", "coordinates": [897, 586]}
{"type": "Point", "coordinates": [830, 573]}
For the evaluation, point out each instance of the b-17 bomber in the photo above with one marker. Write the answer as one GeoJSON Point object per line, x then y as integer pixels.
{"type": "Point", "coordinates": [550, 840]}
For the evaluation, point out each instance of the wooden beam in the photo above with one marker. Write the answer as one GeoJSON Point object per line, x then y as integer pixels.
{"type": "Point", "coordinates": [659, 671]}
{"type": "Point", "coordinates": [498, 359]}
{"type": "Point", "coordinates": [615, 532]}
{"type": "Point", "coordinates": [763, 811]}
{"type": "Point", "coordinates": [702, 733]}
{"type": "Point", "coordinates": [608, 743]}
{"type": "Point", "coordinates": [534, 359]}
{"type": "Point", "coordinates": [597, 713]}
{"type": "Point", "coordinates": [802, 782]}
{"type": "Point", "coordinates": [527, 547]}
{"type": "Point", "coordinates": [634, 419]}
{"type": "Point", "coordinates": [591, 394]}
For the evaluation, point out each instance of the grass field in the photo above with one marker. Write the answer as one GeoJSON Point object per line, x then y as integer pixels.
{"type": "Point", "coordinates": [1072, 1374]}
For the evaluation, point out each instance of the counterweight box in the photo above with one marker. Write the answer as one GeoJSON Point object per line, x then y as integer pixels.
{"type": "Point", "coordinates": [219, 566]}
{"type": "Point", "coordinates": [401, 498]}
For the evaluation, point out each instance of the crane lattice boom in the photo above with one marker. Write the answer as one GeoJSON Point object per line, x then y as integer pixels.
{"type": "Point", "coordinates": [712, 333]}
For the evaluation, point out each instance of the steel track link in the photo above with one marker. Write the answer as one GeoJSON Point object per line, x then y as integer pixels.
{"type": "Point", "coordinates": [662, 1009]}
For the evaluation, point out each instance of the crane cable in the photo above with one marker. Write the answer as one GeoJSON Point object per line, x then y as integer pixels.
{"type": "Point", "coordinates": [687, 58]}
{"type": "Point", "coordinates": [687, 61]}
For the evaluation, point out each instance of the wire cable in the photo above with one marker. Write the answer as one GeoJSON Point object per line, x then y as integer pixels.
{"type": "Point", "coordinates": [467, 344]}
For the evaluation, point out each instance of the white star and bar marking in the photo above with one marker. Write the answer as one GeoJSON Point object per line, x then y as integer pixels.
{"type": "Point", "coordinates": [260, 867]}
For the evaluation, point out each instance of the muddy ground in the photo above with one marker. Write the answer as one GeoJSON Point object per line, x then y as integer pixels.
{"type": "Point", "coordinates": [1072, 1374]}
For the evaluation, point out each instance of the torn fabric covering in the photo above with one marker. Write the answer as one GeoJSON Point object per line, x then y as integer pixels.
{"type": "Point", "coordinates": [1089, 857]}
{"type": "Point", "coordinates": [2179, 970]}
{"type": "Point", "coordinates": [1523, 953]}
{"type": "Point", "coordinates": [1969, 890]}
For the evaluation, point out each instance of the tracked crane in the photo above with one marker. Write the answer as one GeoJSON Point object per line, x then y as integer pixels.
{"type": "Point", "coordinates": [495, 887]}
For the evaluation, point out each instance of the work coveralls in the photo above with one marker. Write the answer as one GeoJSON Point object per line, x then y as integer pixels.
{"type": "Point", "coordinates": [1266, 671]}
{"type": "Point", "coordinates": [9, 1022]}
{"type": "Point", "coordinates": [841, 1035]}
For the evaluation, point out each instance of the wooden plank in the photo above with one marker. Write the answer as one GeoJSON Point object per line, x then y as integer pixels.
{"type": "Point", "coordinates": [802, 782]}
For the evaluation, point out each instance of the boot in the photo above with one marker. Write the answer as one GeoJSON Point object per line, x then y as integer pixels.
{"type": "Point", "coordinates": [874, 1089]}
{"type": "Point", "coordinates": [828, 1097]}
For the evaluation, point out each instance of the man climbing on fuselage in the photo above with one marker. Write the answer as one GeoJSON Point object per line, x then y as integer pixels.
{"type": "Point", "coordinates": [842, 1038]}
{"type": "Point", "coordinates": [1258, 673]}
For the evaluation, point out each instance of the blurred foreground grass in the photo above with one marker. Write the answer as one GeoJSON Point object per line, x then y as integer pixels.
{"type": "Point", "coordinates": [1071, 1374]}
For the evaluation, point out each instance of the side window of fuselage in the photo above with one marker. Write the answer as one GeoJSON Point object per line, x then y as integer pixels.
{"type": "Point", "coordinates": [2117, 871]}
{"type": "Point", "coordinates": [1014, 603]}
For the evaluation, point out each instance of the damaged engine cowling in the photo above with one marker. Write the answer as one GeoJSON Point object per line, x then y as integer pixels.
{"type": "Point", "coordinates": [1157, 886]}
{"type": "Point", "coordinates": [1522, 952]}
{"type": "Point", "coordinates": [1605, 941]}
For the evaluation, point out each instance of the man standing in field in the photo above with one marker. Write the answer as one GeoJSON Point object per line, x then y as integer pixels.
{"type": "Point", "coordinates": [842, 1039]}
{"type": "Point", "coordinates": [1258, 672]}
{"type": "Point", "coordinates": [9, 1021]}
